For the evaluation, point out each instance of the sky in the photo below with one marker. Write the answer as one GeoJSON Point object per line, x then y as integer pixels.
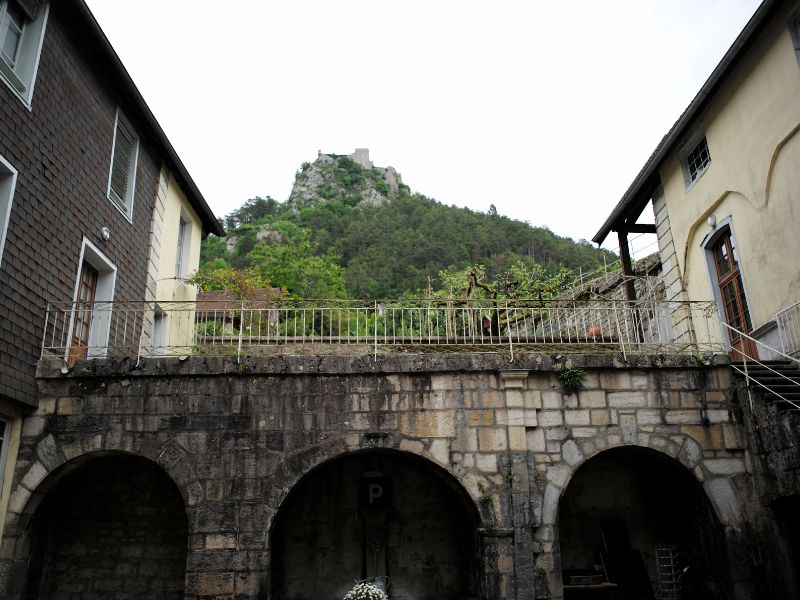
{"type": "Point", "coordinates": [546, 110]}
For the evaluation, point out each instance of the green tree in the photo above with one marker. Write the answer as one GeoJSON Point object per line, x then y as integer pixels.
{"type": "Point", "coordinates": [212, 249]}
{"type": "Point", "coordinates": [252, 210]}
{"type": "Point", "coordinates": [521, 281]}
{"type": "Point", "coordinates": [241, 283]}
{"type": "Point", "coordinates": [295, 267]}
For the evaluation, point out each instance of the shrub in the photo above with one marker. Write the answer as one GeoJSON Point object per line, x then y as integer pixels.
{"type": "Point", "coordinates": [572, 378]}
{"type": "Point", "coordinates": [365, 591]}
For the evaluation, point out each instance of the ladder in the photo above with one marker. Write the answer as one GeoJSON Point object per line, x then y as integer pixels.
{"type": "Point", "coordinates": [668, 572]}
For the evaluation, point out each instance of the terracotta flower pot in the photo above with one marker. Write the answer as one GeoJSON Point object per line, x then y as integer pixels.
{"type": "Point", "coordinates": [594, 331]}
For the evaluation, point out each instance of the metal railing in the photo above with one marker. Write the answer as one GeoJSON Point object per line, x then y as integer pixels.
{"type": "Point", "coordinates": [788, 321]}
{"type": "Point", "coordinates": [242, 327]}
{"type": "Point", "coordinates": [748, 362]}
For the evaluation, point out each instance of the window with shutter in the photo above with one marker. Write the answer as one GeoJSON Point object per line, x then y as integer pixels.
{"type": "Point", "coordinates": [121, 180]}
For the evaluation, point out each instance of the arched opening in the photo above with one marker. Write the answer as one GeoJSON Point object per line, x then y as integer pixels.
{"type": "Point", "coordinates": [786, 512]}
{"type": "Point", "coordinates": [114, 527]}
{"type": "Point", "coordinates": [373, 514]}
{"type": "Point", "coordinates": [635, 523]}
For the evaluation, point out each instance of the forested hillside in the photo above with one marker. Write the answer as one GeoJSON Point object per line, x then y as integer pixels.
{"type": "Point", "coordinates": [362, 239]}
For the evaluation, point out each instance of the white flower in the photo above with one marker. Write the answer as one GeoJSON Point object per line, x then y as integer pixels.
{"type": "Point", "coordinates": [365, 591]}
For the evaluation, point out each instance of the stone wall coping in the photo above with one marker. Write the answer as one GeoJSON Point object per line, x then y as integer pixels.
{"type": "Point", "coordinates": [399, 362]}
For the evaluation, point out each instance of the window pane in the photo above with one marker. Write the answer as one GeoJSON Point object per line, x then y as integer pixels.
{"type": "Point", "coordinates": [15, 15]}
{"type": "Point", "coordinates": [11, 33]}
{"type": "Point", "coordinates": [698, 159]}
{"type": "Point", "coordinates": [721, 255]}
{"type": "Point", "coordinates": [748, 324]}
{"type": "Point", "coordinates": [180, 250]}
{"type": "Point", "coordinates": [11, 39]}
{"type": "Point", "coordinates": [734, 252]}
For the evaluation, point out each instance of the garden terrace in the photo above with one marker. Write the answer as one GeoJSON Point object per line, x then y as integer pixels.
{"type": "Point", "coordinates": [243, 327]}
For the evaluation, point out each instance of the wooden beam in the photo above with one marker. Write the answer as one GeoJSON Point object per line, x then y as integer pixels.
{"type": "Point", "coordinates": [627, 269]}
{"type": "Point", "coordinates": [640, 228]}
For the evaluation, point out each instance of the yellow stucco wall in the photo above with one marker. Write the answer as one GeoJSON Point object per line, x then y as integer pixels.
{"type": "Point", "coordinates": [168, 287]}
{"type": "Point", "coordinates": [753, 132]}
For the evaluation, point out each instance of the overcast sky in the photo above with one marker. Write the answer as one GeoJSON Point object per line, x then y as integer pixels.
{"type": "Point", "coordinates": [546, 110]}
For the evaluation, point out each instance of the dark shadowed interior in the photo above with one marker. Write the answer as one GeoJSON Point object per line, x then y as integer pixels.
{"type": "Point", "coordinates": [376, 514]}
{"type": "Point", "coordinates": [114, 528]}
{"type": "Point", "coordinates": [638, 520]}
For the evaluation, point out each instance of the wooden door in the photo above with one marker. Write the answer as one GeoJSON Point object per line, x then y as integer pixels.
{"type": "Point", "coordinates": [731, 290]}
{"type": "Point", "coordinates": [82, 314]}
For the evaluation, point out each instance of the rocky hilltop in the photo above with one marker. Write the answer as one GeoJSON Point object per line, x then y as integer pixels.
{"type": "Point", "coordinates": [353, 230]}
{"type": "Point", "coordinates": [352, 179]}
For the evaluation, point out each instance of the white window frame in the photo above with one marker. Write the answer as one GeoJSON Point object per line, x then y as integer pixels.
{"type": "Point", "coordinates": [688, 146]}
{"type": "Point", "coordinates": [21, 78]}
{"type": "Point", "coordinates": [5, 442]}
{"type": "Point", "coordinates": [182, 251]}
{"type": "Point", "coordinates": [124, 205]}
{"type": "Point", "coordinates": [8, 183]}
{"type": "Point", "coordinates": [103, 299]}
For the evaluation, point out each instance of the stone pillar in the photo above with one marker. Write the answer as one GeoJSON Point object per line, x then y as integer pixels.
{"type": "Point", "coordinates": [521, 414]}
{"type": "Point", "coordinates": [497, 551]}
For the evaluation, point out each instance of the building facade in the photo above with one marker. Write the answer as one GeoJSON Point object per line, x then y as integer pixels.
{"type": "Point", "coordinates": [81, 157]}
{"type": "Point", "coordinates": [723, 185]}
{"type": "Point", "coordinates": [175, 255]}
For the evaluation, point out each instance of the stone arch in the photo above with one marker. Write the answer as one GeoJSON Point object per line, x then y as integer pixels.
{"type": "Point", "coordinates": [641, 495]}
{"type": "Point", "coordinates": [104, 522]}
{"type": "Point", "coordinates": [688, 452]}
{"type": "Point", "coordinates": [295, 466]}
{"type": "Point", "coordinates": [419, 529]}
{"type": "Point", "coordinates": [53, 460]}
{"type": "Point", "coordinates": [773, 162]}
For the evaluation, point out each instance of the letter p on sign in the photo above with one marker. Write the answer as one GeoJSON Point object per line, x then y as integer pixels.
{"type": "Point", "coordinates": [374, 492]}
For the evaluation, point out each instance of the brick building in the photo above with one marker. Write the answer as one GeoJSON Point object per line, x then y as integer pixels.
{"type": "Point", "coordinates": [85, 172]}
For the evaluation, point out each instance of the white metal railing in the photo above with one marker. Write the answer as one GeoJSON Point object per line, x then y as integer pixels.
{"type": "Point", "coordinates": [241, 327]}
{"type": "Point", "coordinates": [788, 321]}
{"type": "Point", "coordinates": [748, 361]}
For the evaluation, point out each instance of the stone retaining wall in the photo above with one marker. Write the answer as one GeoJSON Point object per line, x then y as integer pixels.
{"type": "Point", "coordinates": [237, 437]}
